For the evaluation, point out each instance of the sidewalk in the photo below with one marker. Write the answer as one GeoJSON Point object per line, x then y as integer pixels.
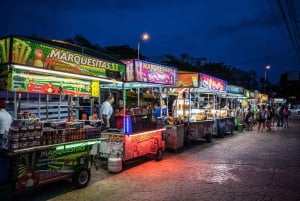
{"type": "Point", "coordinates": [244, 166]}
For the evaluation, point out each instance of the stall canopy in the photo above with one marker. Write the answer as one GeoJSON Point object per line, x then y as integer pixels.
{"type": "Point", "coordinates": [236, 91]}
{"type": "Point", "coordinates": [47, 66]}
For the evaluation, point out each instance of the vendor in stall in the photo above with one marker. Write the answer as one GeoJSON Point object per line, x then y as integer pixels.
{"type": "Point", "coordinates": [107, 112]}
{"type": "Point", "coordinates": [26, 115]}
{"type": "Point", "coordinates": [119, 113]}
{"type": "Point", "coordinates": [94, 116]}
{"type": "Point", "coordinates": [160, 109]}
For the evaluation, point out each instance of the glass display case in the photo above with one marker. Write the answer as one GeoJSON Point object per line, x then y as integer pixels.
{"type": "Point", "coordinates": [222, 113]}
{"type": "Point", "coordinates": [197, 114]}
{"type": "Point", "coordinates": [182, 109]}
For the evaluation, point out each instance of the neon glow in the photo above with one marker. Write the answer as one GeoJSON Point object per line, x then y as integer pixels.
{"type": "Point", "coordinates": [64, 74]}
{"type": "Point", "coordinates": [68, 146]}
{"type": "Point", "coordinates": [127, 125]}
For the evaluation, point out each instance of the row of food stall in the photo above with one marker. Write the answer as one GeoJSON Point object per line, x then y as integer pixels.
{"type": "Point", "coordinates": [163, 109]}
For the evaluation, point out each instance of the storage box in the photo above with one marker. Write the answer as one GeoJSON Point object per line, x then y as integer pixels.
{"type": "Point", "coordinates": [174, 137]}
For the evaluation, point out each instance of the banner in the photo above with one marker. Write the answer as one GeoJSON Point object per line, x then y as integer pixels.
{"type": "Point", "coordinates": [47, 84]}
{"type": "Point", "coordinates": [4, 50]}
{"type": "Point", "coordinates": [187, 80]}
{"type": "Point", "coordinates": [235, 89]}
{"type": "Point", "coordinates": [41, 55]}
{"type": "Point", "coordinates": [45, 166]}
{"type": "Point", "coordinates": [143, 71]}
{"type": "Point", "coordinates": [212, 83]}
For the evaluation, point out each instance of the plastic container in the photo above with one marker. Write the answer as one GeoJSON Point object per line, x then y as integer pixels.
{"type": "Point", "coordinates": [240, 127]}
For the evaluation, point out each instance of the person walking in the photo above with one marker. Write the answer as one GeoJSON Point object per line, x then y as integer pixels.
{"type": "Point", "coordinates": [269, 116]}
{"type": "Point", "coordinates": [248, 119]}
{"type": "Point", "coordinates": [261, 119]}
{"type": "Point", "coordinates": [285, 113]}
{"type": "Point", "coordinates": [279, 115]}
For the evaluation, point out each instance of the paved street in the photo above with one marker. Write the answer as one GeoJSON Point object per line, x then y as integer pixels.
{"type": "Point", "coordinates": [243, 166]}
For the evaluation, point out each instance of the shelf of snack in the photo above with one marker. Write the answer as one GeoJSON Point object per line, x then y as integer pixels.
{"type": "Point", "coordinates": [145, 115]}
{"type": "Point", "coordinates": [32, 134]}
{"type": "Point", "coordinates": [41, 81]}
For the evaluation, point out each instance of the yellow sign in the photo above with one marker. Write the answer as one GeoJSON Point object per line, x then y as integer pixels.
{"type": "Point", "coordinates": [95, 88]}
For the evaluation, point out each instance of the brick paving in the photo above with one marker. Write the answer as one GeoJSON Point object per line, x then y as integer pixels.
{"type": "Point", "coordinates": [242, 166]}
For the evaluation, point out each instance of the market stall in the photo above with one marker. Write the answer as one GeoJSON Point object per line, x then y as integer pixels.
{"type": "Point", "coordinates": [44, 80]}
{"type": "Point", "coordinates": [214, 91]}
{"type": "Point", "coordinates": [144, 120]}
{"type": "Point", "coordinates": [237, 99]}
{"type": "Point", "coordinates": [190, 109]}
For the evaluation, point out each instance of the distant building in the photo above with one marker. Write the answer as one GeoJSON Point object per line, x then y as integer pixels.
{"type": "Point", "coordinates": [194, 61]}
{"type": "Point", "coordinates": [293, 76]}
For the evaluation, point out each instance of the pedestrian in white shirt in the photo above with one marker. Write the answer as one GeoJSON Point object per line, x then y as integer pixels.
{"type": "Point", "coordinates": [107, 112]}
{"type": "Point", "coordinates": [5, 119]}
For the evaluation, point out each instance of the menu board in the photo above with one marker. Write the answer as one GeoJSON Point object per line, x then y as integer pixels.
{"type": "Point", "coordinates": [188, 80]}
{"type": "Point", "coordinates": [212, 83]}
{"type": "Point", "coordinates": [41, 55]}
{"type": "Point", "coordinates": [143, 71]}
{"type": "Point", "coordinates": [47, 84]}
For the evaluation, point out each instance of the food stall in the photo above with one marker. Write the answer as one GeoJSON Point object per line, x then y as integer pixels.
{"type": "Point", "coordinates": [142, 131]}
{"type": "Point", "coordinates": [43, 79]}
{"type": "Point", "coordinates": [215, 92]}
{"type": "Point", "coordinates": [188, 108]}
{"type": "Point", "coordinates": [238, 102]}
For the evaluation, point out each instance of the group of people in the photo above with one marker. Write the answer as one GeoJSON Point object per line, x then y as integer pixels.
{"type": "Point", "coordinates": [106, 112]}
{"type": "Point", "coordinates": [265, 117]}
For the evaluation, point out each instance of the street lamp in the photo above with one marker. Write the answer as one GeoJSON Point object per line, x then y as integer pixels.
{"type": "Point", "coordinates": [143, 37]}
{"type": "Point", "coordinates": [266, 69]}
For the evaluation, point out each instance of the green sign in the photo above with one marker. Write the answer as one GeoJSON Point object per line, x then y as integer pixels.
{"type": "Point", "coordinates": [41, 55]}
{"type": "Point", "coordinates": [4, 50]}
{"type": "Point", "coordinates": [45, 166]}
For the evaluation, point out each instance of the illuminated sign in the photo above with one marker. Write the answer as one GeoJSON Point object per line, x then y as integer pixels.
{"type": "Point", "coordinates": [212, 83]}
{"type": "Point", "coordinates": [188, 80]}
{"type": "Point", "coordinates": [143, 71]}
{"type": "Point", "coordinates": [47, 84]}
{"type": "Point", "coordinates": [44, 56]}
{"type": "Point", "coordinates": [4, 50]}
{"type": "Point", "coordinates": [235, 89]}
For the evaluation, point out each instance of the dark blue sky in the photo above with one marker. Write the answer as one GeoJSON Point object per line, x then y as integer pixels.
{"type": "Point", "coordinates": [246, 34]}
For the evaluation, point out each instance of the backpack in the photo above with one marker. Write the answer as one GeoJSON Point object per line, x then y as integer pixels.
{"type": "Point", "coordinates": [262, 115]}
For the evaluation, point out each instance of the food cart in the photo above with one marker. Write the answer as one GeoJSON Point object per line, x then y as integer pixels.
{"type": "Point", "coordinates": [142, 132]}
{"type": "Point", "coordinates": [189, 108]}
{"type": "Point", "coordinates": [215, 90]}
{"type": "Point", "coordinates": [238, 100]}
{"type": "Point", "coordinates": [44, 79]}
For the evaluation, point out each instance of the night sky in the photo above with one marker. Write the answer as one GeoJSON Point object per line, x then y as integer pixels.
{"type": "Point", "coordinates": [246, 34]}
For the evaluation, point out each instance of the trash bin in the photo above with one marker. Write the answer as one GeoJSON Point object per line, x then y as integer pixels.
{"type": "Point", "coordinates": [240, 127]}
